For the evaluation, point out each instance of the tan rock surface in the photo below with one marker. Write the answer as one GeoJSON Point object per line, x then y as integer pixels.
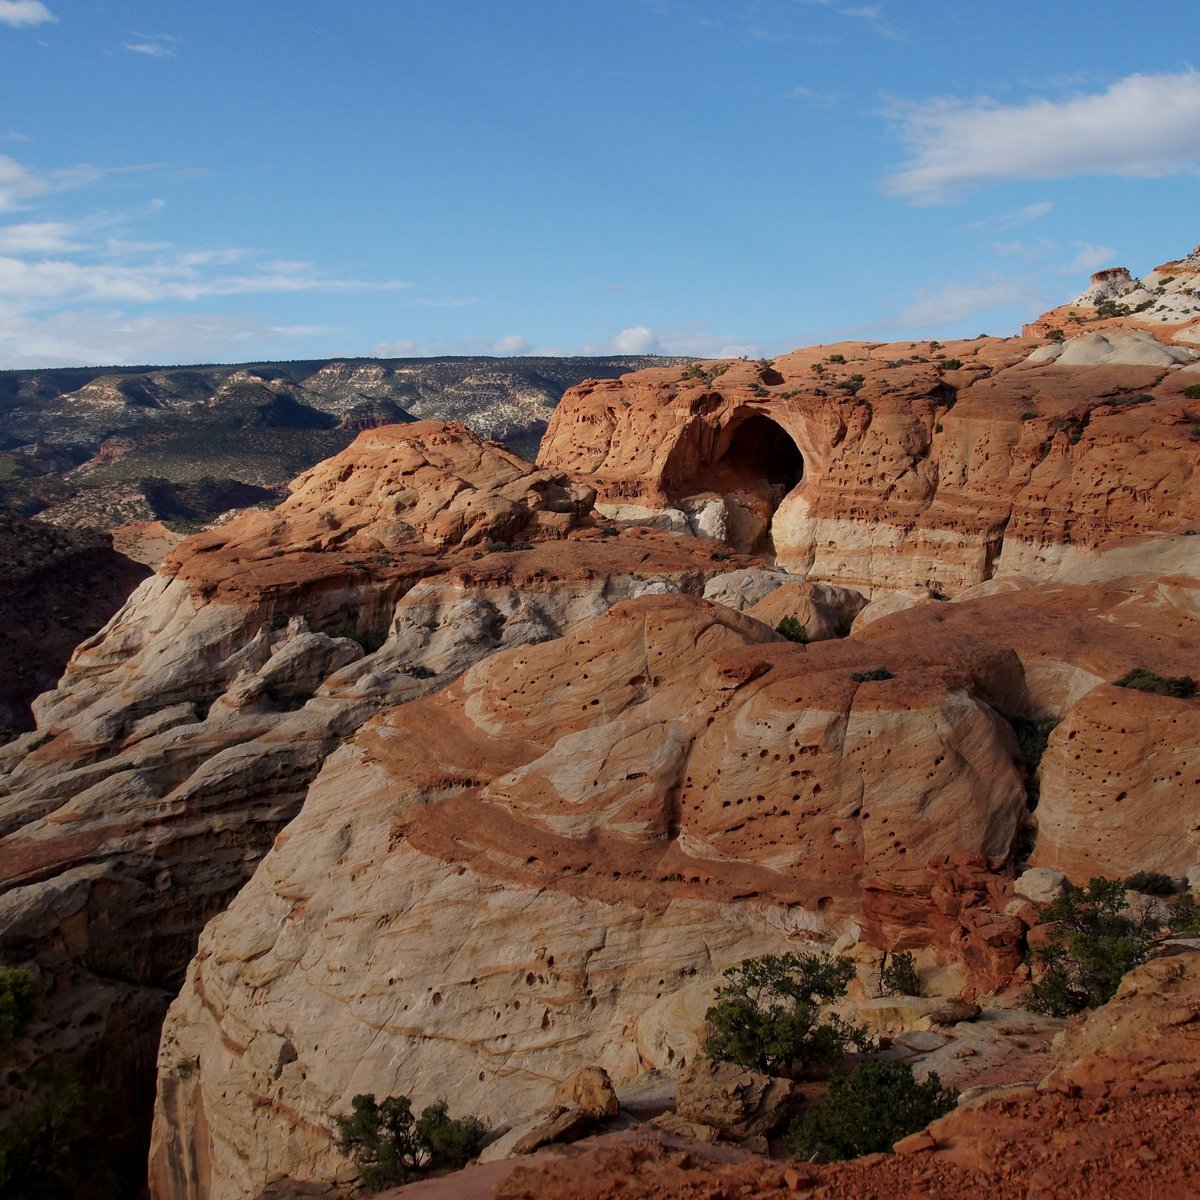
{"type": "Point", "coordinates": [544, 796]}
{"type": "Point", "coordinates": [1117, 1119]}
{"type": "Point", "coordinates": [598, 793]}
{"type": "Point", "coordinates": [184, 735]}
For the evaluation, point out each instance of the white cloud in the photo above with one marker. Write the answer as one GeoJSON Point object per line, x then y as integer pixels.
{"type": "Point", "coordinates": [1089, 258]}
{"type": "Point", "coordinates": [51, 282]}
{"type": "Point", "coordinates": [695, 340]}
{"type": "Point", "coordinates": [1049, 255]}
{"type": "Point", "coordinates": [512, 344]}
{"type": "Point", "coordinates": [20, 13]}
{"type": "Point", "coordinates": [153, 49]}
{"type": "Point", "coordinates": [1142, 126]}
{"type": "Point", "coordinates": [17, 185]}
{"type": "Point", "coordinates": [872, 14]}
{"type": "Point", "coordinates": [637, 339]}
{"type": "Point", "coordinates": [108, 337]}
{"type": "Point", "coordinates": [156, 45]}
{"type": "Point", "coordinates": [39, 237]}
{"type": "Point", "coordinates": [939, 307]}
{"type": "Point", "coordinates": [812, 97]}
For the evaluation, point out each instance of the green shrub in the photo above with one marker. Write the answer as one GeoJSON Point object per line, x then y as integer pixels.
{"type": "Point", "coordinates": [874, 675]}
{"type": "Point", "coordinates": [1151, 883]}
{"type": "Point", "coordinates": [1183, 915]}
{"type": "Point", "coordinates": [770, 1015]}
{"type": "Point", "coordinates": [837, 358]}
{"type": "Point", "coordinates": [793, 630]}
{"type": "Point", "coordinates": [899, 976]}
{"type": "Point", "coordinates": [1192, 391]}
{"type": "Point", "coordinates": [868, 1112]}
{"type": "Point", "coordinates": [1092, 941]}
{"type": "Point", "coordinates": [1033, 735]}
{"type": "Point", "coordinates": [1056, 335]}
{"type": "Point", "coordinates": [951, 364]}
{"type": "Point", "coordinates": [391, 1146]}
{"type": "Point", "coordinates": [1181, 687]}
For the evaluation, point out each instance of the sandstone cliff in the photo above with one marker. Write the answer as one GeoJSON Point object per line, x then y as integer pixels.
{"type": "Point", "coordinates": [476, 778]}
{"type": "Point", "coordinates": [901, 464]}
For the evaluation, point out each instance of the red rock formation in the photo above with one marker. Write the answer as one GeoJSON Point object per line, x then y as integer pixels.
{"type": "Point", "coordinates": [891, 465]}
{"type": "Point", "coordinates": [530, 802]}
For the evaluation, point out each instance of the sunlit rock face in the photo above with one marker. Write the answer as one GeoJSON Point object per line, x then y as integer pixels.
{"type": "Point", "coordinates": [475, 773]}
{"type": "Point", "coordinates": [907, 464]}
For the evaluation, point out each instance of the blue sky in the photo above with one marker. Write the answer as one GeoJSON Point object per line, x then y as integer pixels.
{"type": "Point", "coordinates": [184, 182]}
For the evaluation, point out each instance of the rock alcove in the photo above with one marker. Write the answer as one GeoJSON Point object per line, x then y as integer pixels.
{"type": "Point", "coordinates": [754, 464]}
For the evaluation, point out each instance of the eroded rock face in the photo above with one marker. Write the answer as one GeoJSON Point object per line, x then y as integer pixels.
{"type": "Point", "coordinates": [522, 806]}
{"type": "Point", "coordinates": [899, 465]}
{"type": "Point", "coordinates": [649, 799]}
{"type": "Point", "coordinates": [185, 734]}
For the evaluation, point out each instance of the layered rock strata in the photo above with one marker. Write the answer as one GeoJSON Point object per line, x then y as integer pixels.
{"type": "Point", "coordinates": [533, 775]}
{"type": "Point", "coordinates": [909, 464]}
{"type": "Point", "coordinates": [184, 735]}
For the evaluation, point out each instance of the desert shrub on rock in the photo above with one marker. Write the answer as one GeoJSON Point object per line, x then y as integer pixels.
{"type": "Point", "coordinates": [898, 975]}
{"type": "Point", "coordinates": [1092, 940]}
{"type": "Point", "coordinates": [18, 999]}
{"type": "Point", "coordinates": [771, 1015]}
{"type": "Point", "coordinates": [1183, 915]}
{"type": "Point", "coordinates": [391, 1145]}
{"type": "Point", "coordinates": [1181, 687]}
{"type": "Point", "coordinates": [1151, 883]}
{"type": "Point", "coordinates": [868, 1112]}
{"type": "Point", "coordinates": [793, 630]}
{"type": "Point", "coordinates": [47, 1146]}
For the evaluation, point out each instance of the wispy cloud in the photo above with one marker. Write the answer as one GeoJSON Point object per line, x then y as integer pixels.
{"type": "Point", "coordinates": [69, 288]}
{"type": "Point", "coordinates": [872, 14]}
{"type": "Point", "coordinates": [174, 276]}
{"type": "Point", "coordinates": [1015, 217]}
{"type": "Point", "coordinates": [76, 338]}
{"type": "Point", "coordinates": [19, 186]}
{"type": "Point", "coordinates": [24, 13]}
{"type": "Point", "coordinates": [1142, 126]}
{"type": "Point", "coordinates": [39, 237]}
{"type": "Point", "coordinates": [1089, 258]}
{"type": "Point", "coordinates": [156, 45]}
{"type": "Point", "coordinates": [936, 308]}
{"type": "Point", "coordinates": [1074, 259]}
{"type": "Point", "coordinates": [510, 344]}
{"type": "Point", "coordinates": [812, 97]}
{"type": "Point", "coordinates": [695, 339]}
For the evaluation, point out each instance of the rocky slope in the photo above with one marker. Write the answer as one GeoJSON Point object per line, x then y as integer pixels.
{"type": "Point", "coordinates": [480, 772]}
{"type": "Point", "coordinates": [1116, 1117]}
{"type": "Point", "coordinates": [902, 464]}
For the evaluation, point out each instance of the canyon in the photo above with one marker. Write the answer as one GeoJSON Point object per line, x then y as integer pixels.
{"type": "Point", "coordinates": [454, 773]}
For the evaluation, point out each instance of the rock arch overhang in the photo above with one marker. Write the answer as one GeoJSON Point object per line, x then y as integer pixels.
{"type": "Point", "coordinates": [734, 477]}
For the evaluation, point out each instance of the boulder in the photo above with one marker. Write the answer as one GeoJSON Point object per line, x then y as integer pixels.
{"type": "Point", "coordinates": [735, 1102]}
{"type": "Point", "coordinates": [954, 1010]}
{"type": "Point", "coordinates": [591, 1089]}
{"type": "Point", "coordinates": [1041, 885]}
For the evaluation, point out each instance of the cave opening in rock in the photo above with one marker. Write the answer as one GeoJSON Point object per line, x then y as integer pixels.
{"type": "Point", "coordinates": [758, 467]}
{"type": "Point", "coordinates": [761, 450]}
